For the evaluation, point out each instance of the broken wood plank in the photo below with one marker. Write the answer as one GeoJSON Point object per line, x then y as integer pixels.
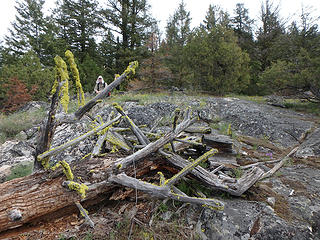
{"type": "Point", "coordinates": [198, 129]}
{"type": "Point", "coordinates": [223, 158]}
{"type": "Point", "coordinates": [212, 181]}
{"type": "Point", "coordinates": [117, 140]}
{"type": "Point", "coordinates": [221, 142]}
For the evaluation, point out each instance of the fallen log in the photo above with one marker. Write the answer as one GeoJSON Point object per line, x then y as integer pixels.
{"type": "Point", "coordinates": [221, 142]}
{"type": "Point", "coordinates": [24, 200]}
{"type": "Point", "coordinates": [154, 146]}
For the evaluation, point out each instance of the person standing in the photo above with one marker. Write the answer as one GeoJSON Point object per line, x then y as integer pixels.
{"type": "Point", "coordinates": [100, 85]}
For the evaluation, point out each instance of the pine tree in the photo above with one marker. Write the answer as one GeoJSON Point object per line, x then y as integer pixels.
{"type": "Point", "coordinates": [131, 19]}
{"type": "Point", "coordinates": [178, 34]}
{"type": "Point", "coordinates": [78, 22]}
{"type": "Point", "coordinates": [132, 22]}
{"type": "Point", "coordinates": [268, 35]}
{"type": "Point", "coordinates": [27, 29]}
{"type": "Point", "coordinates": [215, 16]}
{"type": "Point", "coordinates": [242, 26]}
{"type": "Point", "coordinates": [178, 27]}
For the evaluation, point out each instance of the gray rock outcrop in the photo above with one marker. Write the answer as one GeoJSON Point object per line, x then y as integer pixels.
{"type": "Point", "coordinates": [310, 147]}
{"type": "Point", "coordinates": [280, 126]}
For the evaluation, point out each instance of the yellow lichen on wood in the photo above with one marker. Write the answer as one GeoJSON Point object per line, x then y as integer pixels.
{"type": "Point", "coordinates": [76, 76]}
{"type": "Point", "coordinates": [162, 179]}
{"type": "Point", "coordinates": [111, 138]}
{"type": "Point", "coordinates": [62, 76]}
{"type": "Point", "coordinates": [131, 69]}
{"type": "Point", "coordinates": [229, 132]}
{"type": "Point", "coordinates": [66, 169]}
{"type": "Point", "coordinates": [44, 162]}
{"type": "Point", "coordinates": [80, 188]}
{"type": "Point", "coordinates": [191, 166]}
{"type": "Point", "coordinates": [116, 76]}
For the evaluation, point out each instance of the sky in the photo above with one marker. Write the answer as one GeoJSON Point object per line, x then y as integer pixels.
{"type": "Point", "coordinates": [162, 9]}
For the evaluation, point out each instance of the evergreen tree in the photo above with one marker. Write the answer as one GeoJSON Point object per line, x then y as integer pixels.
{"type": "Point", "coordinates": [215, 63]}
{"type": "Point", "coordinates": [178, 27]}
{"type": "Point", "coordinates": [269, 33]}
{"type": "Point", "coordinates": [78, 22]}
{"type": "Point", "coordinates": [108, 54]}
{"type": "Point", "coordinates": [215, 16]}
{"type": "Point", "coordinates": [27, 30]}
{"type": "Point", "coordinates": [178, 33]}
{"type": "Point", "coordinates": [242, 26]}
{"type": "Point", "coordinates": [132, 22]}
{"type": "Point", "coordinates": [30, 72]}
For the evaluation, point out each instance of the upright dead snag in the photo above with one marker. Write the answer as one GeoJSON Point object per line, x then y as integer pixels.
{"type": "Point", "coordinates": [47, 131]}
{"type": "Point", "coordinates": [60, 93]}
{"type": "Point", "coordinates": [76, 76]}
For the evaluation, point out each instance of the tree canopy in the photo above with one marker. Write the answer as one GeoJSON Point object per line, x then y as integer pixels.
{"type": "Point", "coordinates": [226, 53]}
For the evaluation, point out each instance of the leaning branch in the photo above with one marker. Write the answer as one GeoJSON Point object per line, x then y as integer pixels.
{"type": "Point", "coordinates": [126, 74]}
{"type": "Point", "coordinates": [154, 146]}
{"type": "Point", "coordinates": [139, 134]}
{"type": "Point", "coordinates": [163, 192]}
{"type": "Point", "coordinates": [279, 165]}
{"type": "Point", "coordinates": [77, 140]}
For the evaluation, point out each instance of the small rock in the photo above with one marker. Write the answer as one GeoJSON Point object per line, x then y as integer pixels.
{"type": "Point", "coordinates": [22, 136]}
{"type": "Point", "coordinates": [271, 201]}
{"type": "Point", "coordinates": [166, 216]}
{"type": "Point", "coordinates": [15, 215]}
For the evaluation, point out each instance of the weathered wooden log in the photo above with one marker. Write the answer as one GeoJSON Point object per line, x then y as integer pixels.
{"type": "Point", "coordinates": [24, 200]}
{"type": "Point", "coordinates": [198, 129]}
{"type": "Point", "coordinates": [117, 140]}
{"type": "Point", "coordinates": [139, 134]}
{"type": "Point", "coordinates": [226, 159]}
{"type": "Point", "coordinates": [190, 167]}
{"type": "Point", "coordinates": [98, 145]}
{"type": "Point", "coordinates": [163, 192]}
{"type": "Point", "coordinates": [221, 142]}
{"type": "Point", "coordinates": [212, 180]}
{"type": "Point", "coordinates": [77, 140]}
{"type": "Point", "coordinates": [154, 146]}
{"type": "Point", "coordinates": [185, 143]}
